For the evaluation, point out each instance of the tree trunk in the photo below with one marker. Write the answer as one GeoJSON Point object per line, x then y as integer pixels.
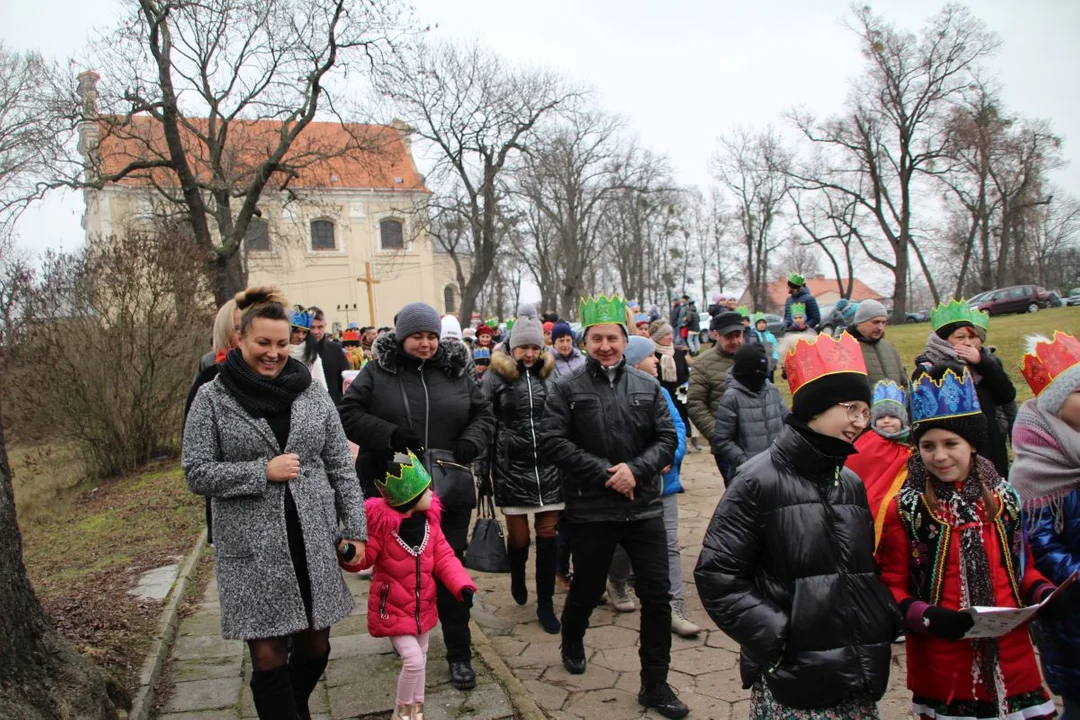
{"type": "Point", "coordinates": [41, 675]}
{"type": "Point", "coordinates": [230, 277]}
{"type": "Point", "coordinates": [900, 276]}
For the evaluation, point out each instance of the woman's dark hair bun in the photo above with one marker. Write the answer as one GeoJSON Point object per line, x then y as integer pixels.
{"type": "Point", "coordinates": [263, 295]}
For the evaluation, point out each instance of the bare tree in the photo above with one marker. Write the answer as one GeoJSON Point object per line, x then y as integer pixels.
{"type": "Point", "coordinates": [827, 218]}
{"type": "Point", "coordinates": [206, 105]}
{"type": "Point", "coordinates": [478, 113]}
{"type": "Point", "coordinates": [892, 131]}
{"type": "Point", "coordinates": [754, 168]}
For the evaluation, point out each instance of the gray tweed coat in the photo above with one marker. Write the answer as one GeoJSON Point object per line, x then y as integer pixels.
{"type": "Point", "coordinates": [225, 455]}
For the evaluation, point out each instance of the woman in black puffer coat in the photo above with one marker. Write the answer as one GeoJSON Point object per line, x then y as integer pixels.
{"type": "Point", "coordinates": [787, 569]}
{"type": "Point", "coordinates": [524, 486]}
{"type": "Point", "coordinates": [448, 412]}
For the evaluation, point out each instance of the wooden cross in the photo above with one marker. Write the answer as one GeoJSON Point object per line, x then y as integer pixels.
{"type": "Point", "coordinates": [370, 281]}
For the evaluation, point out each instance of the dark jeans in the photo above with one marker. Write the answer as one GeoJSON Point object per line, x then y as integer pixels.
{"type": "Point", "coordinates": [722, 466]}
{"type": "Point", "coordinates": [453, 615]}
{"type": "Point", "coordinates": [562, 548]}
{"type": "Point", "coordinates": [645, 541]}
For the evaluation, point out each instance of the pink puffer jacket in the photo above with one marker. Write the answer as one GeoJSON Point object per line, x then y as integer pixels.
{"type": "Point", "coordinates": [402, 596]}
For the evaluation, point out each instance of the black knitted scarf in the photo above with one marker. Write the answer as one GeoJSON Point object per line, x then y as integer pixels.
{"type": "Point", "coordinates": [262, 396]}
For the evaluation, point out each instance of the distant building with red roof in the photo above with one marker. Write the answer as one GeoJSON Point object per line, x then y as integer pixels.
{"type": "Point", "coordinates": [825, 290]}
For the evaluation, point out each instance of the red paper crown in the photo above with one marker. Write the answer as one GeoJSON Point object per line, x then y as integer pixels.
{"type": "Point", "coordinates": [824, 355]}
{"type": "Point", "coordinates": [1048, 360]}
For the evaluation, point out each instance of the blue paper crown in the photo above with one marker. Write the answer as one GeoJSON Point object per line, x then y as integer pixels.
{"type": "Point", "coordinates": [886, 391]}
{"type": "Point", "coordinates": [951, 396]}
{"type": "Point", "coordinates": [301, 318]}
{"type": "Point", "coordinates": [481, 354]}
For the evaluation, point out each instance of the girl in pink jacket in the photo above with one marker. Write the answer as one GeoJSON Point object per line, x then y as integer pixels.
{"type": "Point", "coordinates": [407, 549]}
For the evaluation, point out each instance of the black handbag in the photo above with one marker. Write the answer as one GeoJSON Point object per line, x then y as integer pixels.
{"type": "Point", "coordinates": [452, 481]}
{"type": "Point", "coordinates": [487, 548]}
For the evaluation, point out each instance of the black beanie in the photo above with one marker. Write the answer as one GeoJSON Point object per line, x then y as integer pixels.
{"type": "Point", "coordinates": [972, 427]}
{"type": "Point", "coordinates": [948, 329]}
{"type": "Point", "coordinates": [751, 367]}
{"type": "Point", "coordinates": [819, 395]}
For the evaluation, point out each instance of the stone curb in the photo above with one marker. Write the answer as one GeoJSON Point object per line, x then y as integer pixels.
{"type": "Point", "coordinates": [520, 697]}
{"type": "Point", "coordinates": [143, 702]}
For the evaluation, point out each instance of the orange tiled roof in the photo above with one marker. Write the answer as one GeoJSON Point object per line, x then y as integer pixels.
{"type": "Point", "coordinates": [818, 285]}
{"type": "Point", "coordinates": [325, 155]}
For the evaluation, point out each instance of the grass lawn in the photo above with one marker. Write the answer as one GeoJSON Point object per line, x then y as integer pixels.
{"type": "Point", "coordinates": [85, 544]}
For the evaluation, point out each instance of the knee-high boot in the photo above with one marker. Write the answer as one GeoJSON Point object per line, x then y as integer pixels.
{"type": "Point", "coordinates": [546, 554]}
{"type": "Point", "coordinates": [305, 672]}
{"type": "Point", "coordinates": [518, 588]}
{"type": "Point", "coordinates": [272, 692]}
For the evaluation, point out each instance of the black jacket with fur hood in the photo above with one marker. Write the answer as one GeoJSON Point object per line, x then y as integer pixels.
{"type": "Point", "coordinates": [446, 404]}
{"type": "Point", "coordinates": [517, 398]}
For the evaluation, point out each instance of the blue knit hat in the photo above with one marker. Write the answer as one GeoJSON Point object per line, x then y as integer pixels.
{"type": "Point", "coordinates": [561, 329]}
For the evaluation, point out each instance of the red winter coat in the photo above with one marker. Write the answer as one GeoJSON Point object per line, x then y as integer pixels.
{"type": "Point", "coordinates": [941, 669]}
{"type": "Point", "coordinates": [882, 466]}
{"type": "Point", "coordinates": [402, 596]}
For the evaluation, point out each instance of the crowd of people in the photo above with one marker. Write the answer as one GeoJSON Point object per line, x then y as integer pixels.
{"type": "Point", "coordinates": [877, 506]}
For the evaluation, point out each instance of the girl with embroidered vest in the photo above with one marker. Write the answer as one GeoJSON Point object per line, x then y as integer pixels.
{"type": "Point", "coordinates": [1046, 473]}
{"type": "Point", "coordinates": [883, 453]}
{"type": "Point", "coordinates": [953, 538]}
{"type": "Point", "coordinates": [407, 549]}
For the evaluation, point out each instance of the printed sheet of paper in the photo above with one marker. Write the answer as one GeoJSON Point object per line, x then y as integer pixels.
{"type": "Point", "coordinates": [997, 621]}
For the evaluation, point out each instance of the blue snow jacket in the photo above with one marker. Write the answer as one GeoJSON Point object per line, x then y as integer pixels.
{"type": "Point", "coordinates": [671, 477]}
{"type": "Point", "coordinates": [813, 314]}
{"type": "Point", "coordinates": [1057, 556]}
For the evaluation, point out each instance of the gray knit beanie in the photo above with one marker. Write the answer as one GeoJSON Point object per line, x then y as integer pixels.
{"type": "Point", "coordinates": [527, 328]}
{"type": "Point", "coordinates": [414, 318]}
{"type": "Point", "coordinates": [869, 309]}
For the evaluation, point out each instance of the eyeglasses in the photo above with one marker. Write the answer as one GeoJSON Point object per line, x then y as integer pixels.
{"type": "Point", "coordinates": [854, 414]}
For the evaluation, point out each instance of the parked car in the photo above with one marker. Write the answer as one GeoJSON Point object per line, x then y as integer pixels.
{"type": "Point", "coordinates": [1073, 298]}
{"type": "Point", "coordinates": [1014, 299]}
{"type": "Point", "coordinates": [836, 317]}
{"type": "Point", "coordinates": [917, 316]}
{"type": "Point", "coordinates": [1055, 299]}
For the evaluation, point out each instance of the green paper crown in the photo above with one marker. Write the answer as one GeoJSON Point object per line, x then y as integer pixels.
{"type": "Point", "coordinates": [981, 319]}
{"type": "Point", "coordinates": [410, 482]}
{"type": "Point", "coordinates": [796, 279]}
{"type": "Point", "coordinates": [759, 316]}
{"type": "Point", "coordinates": [744, 311]}
{"type": "Point", "coordinates": [510, 324]}
{"type": "Point", "coordinates": [798, 309]}
{"type": "Point", "coordinates": [957, 311]}
{"type": "Point", "coordinates": [601, 310]}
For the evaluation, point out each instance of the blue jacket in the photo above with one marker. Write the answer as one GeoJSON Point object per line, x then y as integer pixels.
{"type": "Point", "coordinates": [1057, 556]}
{"type": "Point", "coordinates": [671, 477]}
{"type": "Point", "coordinates": [813, 315]}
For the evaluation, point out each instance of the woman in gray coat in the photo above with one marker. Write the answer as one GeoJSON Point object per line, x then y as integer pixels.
{"type": "Point", "coordinates": [266, 446]}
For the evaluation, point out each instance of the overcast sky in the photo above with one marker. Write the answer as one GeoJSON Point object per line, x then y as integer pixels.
{"type": "Point", "coordinates": [679, 71]}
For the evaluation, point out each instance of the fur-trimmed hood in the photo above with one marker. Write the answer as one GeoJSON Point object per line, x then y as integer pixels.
{"type": "Point", "coordinates": [453, 356]}
{"type": "Point", "coordinates": [382, 518]}
{"type": "Point", "coordinates": [506, 367]}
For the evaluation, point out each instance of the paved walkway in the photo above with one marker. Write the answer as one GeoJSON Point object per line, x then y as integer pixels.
{"type": "Point", "coordinates": [209, 675]}
{"type": "Point", "coordinates": [704, 670]}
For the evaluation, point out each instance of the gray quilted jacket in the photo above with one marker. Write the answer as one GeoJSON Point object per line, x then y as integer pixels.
{"type": "Point", "coordinates": [746, 421]}
{"type": "Point", "coordinates": [225, 455]}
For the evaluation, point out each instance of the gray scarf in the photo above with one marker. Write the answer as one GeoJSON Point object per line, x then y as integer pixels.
{"type": "Point", "coordinates": [941, 351]}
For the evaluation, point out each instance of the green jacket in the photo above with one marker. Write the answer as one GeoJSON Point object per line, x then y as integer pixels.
{"type": "Point", "coordinates": [707, 378]}
{"type": "Point", "coordinates": [883, 362]}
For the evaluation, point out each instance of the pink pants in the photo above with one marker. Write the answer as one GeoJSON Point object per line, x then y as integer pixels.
{"type": "Point", "coordinates": [413, 651]}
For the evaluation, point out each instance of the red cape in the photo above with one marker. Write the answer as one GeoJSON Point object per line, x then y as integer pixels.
{"type": "Point", "coordinates": [882, 465]}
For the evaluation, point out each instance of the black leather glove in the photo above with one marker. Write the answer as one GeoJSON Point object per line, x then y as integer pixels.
{"type": "Point", "coordinates": [484, 485]}
{"type": "Point", "coordinates": [947, 624]}
{"type": "Point", "coordinates": [404, 439]}
{"type": "Point", "coordinates": [467, 597]}
{"type": "Point", "coordinates": [1059, 608]}
{"type": "Point", "coordinates": [465, 452]}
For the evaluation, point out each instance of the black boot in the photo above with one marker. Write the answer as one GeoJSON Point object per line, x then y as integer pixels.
{"type": "Point", "coordinates": [305, 673]}
{"type": "Point", "coordinates": [272, 692]}
{"type": "Point", "coordinates": [518, 588]}
{"type": "Point", "coordinates": [660, 696]}
{"type": "Point", "coordinates": [545, 585]}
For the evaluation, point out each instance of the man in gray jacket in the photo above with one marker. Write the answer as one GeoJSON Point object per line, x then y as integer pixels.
{"type": "Point", "coordinates": [607, 427]}
{"type": "Point", "coordinates": [882, 359]}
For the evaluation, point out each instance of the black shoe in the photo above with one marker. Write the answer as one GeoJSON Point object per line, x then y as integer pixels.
{"type": "Point", "coordinates": [462, 675]}
{"type": "Point", "coordinates": [573, 657]}
{"type": "Point", "coordinates": [545, 613]}
{"type": "Point", "coordinates": [662, 698]}
{"type": "Point", "coordinates": [518, 589]}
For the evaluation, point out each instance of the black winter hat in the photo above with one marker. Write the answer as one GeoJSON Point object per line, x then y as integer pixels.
{"type": "Point", "coordinates": [751, 367]}
{"type": "Point", "coordinates": [821, 394]}
{"type": "Point", "coordinates": [948, 329]}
